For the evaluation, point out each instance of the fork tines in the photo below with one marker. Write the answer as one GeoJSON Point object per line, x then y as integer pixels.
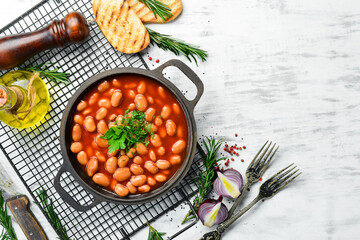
{"type": "Point", "coordinates": [283, 177]}
{"type": "Point", "coordinates": [263, 158]}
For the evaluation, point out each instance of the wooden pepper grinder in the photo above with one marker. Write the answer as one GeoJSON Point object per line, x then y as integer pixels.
{"type": "Point", "coordinates": [15, 49]}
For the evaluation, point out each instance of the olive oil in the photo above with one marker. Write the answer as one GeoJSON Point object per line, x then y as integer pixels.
{"type": "Point", "coordinates": [24, 99]}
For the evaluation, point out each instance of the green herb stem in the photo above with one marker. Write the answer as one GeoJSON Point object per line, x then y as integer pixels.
{"type": "Point", "coordinates": [158, 8]}
{"type": "Point", "coordinates": [52, 75]}
{"type": "Point", "coordinates": [205, 180]}
{"type": "Point", "coordinates": [8, 232]}
{"type": "Point", "coordinates": [154, 234]}
{"type": "Point", "coordinates": [166, 42]}
{"type": "Point", "coordinates": [47, 205]}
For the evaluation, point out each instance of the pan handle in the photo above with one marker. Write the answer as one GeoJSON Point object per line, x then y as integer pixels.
{"type": "Point", "coordinates": [67, 198]}
{"type": "Point", "coordinates": [189, 73]}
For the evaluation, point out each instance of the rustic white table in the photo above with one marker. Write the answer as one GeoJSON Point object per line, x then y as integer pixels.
{"type": "Point", "coordinates": [282, 70]}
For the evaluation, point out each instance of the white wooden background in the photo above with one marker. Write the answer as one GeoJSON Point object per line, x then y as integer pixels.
{"type": "Point", "coordinates": [284, 70]}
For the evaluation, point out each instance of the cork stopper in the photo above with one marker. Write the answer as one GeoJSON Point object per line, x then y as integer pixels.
{"type": "Point", "coordinates": [3, 97]}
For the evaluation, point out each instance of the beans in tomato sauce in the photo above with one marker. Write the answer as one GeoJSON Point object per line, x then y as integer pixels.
{"type": "Point", "coordinates": [142, 168]}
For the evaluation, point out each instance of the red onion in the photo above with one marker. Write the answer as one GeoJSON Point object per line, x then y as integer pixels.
{"type": "Point", "coordinates": [228, 183]}
{"type": "Point", "coordinates": [212, 212]}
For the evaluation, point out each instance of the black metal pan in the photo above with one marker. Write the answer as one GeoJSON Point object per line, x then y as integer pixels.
{"type": "Point", "coordinates": [72, 166]}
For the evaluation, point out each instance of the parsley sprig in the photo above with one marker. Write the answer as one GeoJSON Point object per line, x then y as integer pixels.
{"type": "Point", "coordinates": [133, 129]}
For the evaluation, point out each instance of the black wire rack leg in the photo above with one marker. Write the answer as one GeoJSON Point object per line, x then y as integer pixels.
{"type": "Point", "coordinates": [192, 223]}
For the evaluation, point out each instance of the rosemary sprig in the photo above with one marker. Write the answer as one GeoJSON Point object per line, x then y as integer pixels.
{"type": "Point", "coordinates": [166, 42]}
{"type": "Point", "coordinates": [205, 180]}
{"type": "Point", "coordinates": [48, 207]}
{"type": "Point", "coordinates": [158, 8]}
{"type": "Point", "coordinates": [154, 234]}
{"type": "Point", "coordinates": [8, 232]}
{"type": "Point", "coordinates": [53, 75]}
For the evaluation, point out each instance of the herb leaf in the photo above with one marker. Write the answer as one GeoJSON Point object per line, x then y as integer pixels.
{"type": "Point", "coordinates": [154, 234]}
{"type": "Point", "coordinates": [205, 179]}
{"type": "Point", "coordinates": [122, 142]}
{"type": "Point", "coordinates": [166, 42]}
{"type": "Point", "coordinates": [133, 129]}
{"type": "Point", "coordinates": [48, 207]}
{"type": "Point", "coordinates": [158, 8]}
{"type": "Point", "coordinates": [53, 75]}
{"type": "Point", "coordinates": [8, 232]}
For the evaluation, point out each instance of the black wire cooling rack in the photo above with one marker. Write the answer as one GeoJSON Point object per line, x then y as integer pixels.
{"type": "Point", "coordinates": [35, 153]}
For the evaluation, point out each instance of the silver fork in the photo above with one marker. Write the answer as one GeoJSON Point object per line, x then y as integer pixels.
{"type": "Point", "coordinates": [255, 171]}
{"type": "Point", "coordinates": [267, 190]}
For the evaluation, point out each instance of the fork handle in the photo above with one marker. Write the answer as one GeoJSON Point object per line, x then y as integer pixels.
{"type": "Point", "coordinates": [238, 200]}
{"type": "Point", "coordinates": [216, 234]}
{"type": "Point", "coordinates": [223, 226]}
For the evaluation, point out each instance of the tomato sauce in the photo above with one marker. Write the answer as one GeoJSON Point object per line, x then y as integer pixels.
{"type": "Point", "coordinates": [157, 97]}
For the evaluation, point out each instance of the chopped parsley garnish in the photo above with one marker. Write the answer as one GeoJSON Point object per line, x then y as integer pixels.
{"type": "Point", "coordinates": [134, 129]}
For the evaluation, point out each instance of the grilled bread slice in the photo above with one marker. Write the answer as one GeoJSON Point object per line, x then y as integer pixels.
{"type": "Point", "coordinates": [120, 25]}
{"type": "Point", "coordinates": [147, 16]}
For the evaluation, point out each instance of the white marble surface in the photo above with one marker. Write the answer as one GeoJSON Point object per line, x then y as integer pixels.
{"type": "Point", "coordinates": [285, 70]}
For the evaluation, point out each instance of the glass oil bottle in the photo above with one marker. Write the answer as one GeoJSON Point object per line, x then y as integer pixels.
{"type": "Point", "coordinates": [24, 99]}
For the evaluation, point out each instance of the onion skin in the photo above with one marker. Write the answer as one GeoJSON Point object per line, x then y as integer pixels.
{"type": "Point", "coordinates": [212, 212]}
{"type": "Point", "coordinates": [228, 183]}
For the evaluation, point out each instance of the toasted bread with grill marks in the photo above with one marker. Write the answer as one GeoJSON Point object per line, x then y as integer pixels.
{"type": "Point", "coordinates": [120, 25]}
{"type": "Point", "coordinates": [147, 16]}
